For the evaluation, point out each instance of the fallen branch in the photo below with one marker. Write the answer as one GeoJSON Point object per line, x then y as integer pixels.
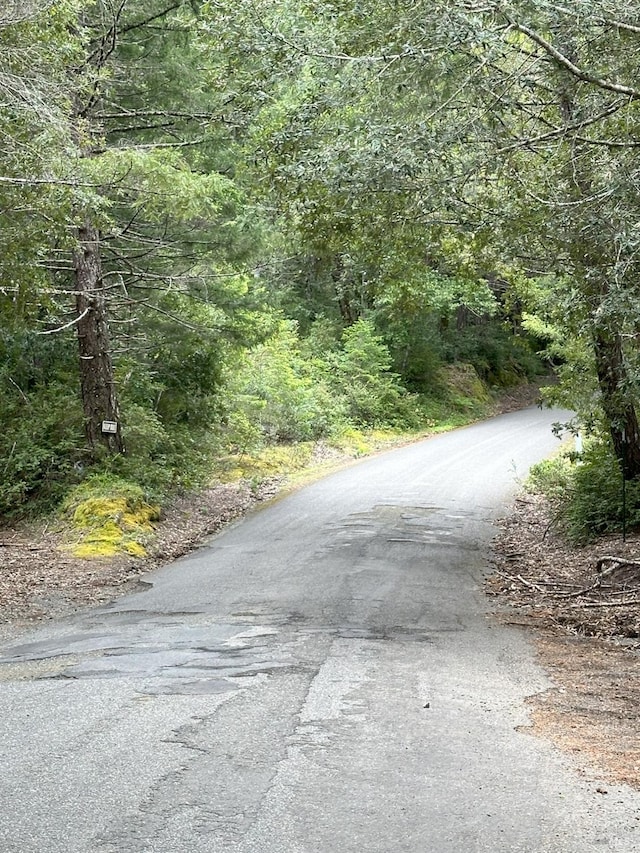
{"type": "Point", "coordinates": [521, 580]}
{"type": "Point", "coordinates": [618, 561]}
{"type": "Point", "coordinates": [579, 592]}
{"type": "Point", "coordinates": [625, 590]}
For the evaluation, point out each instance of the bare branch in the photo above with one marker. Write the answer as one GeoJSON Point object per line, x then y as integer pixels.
{"type": "Point", "coordinates": [566, 129]}
{"type": "Point", "coordinates": [28, 182]}
{"type": "Point", "coordinates": [67, 325]}
{"type": "Point", "coordinates": [153, 145]}
{"type": "Point", "coordinates": [621, 25]}
{"type": "Point", "coordinates": [143, 22]}
{"type": "Point", "coordinates": [608, 143]}
{"type": "Point", "coordinates": [20, 391]}
{"type": "Point", "coordinates": [155, 114]}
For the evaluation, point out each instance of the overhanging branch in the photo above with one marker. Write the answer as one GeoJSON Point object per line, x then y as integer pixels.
{"type": "Point", "coordinates": [562, 60]}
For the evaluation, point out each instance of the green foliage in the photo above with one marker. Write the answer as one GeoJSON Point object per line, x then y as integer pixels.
{"type": "Point", "coordinates": [164, 457]}
{"type": "Point", "coordinates": [586, 492]}
{"type": "Point", "coordinates": [462, 390]}
{"type": "Point", "coordinates": [299, 390]}
{"type": "Point", "coordinates": [361, 376]}
{"type": "Point", "coordinates": [35, 54]}
{"type": "Point", "coordinates": [41, 436]}
{"type": "Point", "coordinates": [279, 396]}
{"type": "Point", "coordinates": [416, 306]}
{"type": "Point", "coordinates": [501, 357]}
{"type": "Point", "coordinates": [40, 449]}
{"type": "Point", "coordinates": [554, 479]}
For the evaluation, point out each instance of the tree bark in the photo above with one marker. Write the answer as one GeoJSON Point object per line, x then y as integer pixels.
{"type": "Point", "coordinates": [619, 410]}
{"type": "Point", "coordinates": [97, 385]}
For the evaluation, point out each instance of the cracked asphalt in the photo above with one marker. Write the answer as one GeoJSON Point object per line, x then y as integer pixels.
{"type": "Point", "coordinates": [323, 677]}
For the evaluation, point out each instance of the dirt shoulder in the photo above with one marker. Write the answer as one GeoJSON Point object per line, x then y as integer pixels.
{"type": "Point", "coordinates": [584, 610]}
{"type": "Point", "coordinates": [41, 580]}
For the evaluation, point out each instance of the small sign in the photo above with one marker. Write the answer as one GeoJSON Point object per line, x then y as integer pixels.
{"type": "Point", "coordinates": [110, 426]}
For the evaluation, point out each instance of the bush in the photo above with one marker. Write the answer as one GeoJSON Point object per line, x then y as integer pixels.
{"type": "Point", "coordinates": [499, 357]}
{"type": "Point", "coordinates": [41, 428]}
{"type": "Point", "coordinates": [278, 395]}
{"type": "Point", "coordinates": [161, 458]}
{"type": "Point", "coordinates": [586, 492]}
{"type": "Point", "coordinates": [554, 479]}
{"type": "Point", "coordinates": [41, 448]}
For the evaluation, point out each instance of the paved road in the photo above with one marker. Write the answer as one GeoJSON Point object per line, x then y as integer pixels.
{"type": "Point", "coordinates": [322, 678]}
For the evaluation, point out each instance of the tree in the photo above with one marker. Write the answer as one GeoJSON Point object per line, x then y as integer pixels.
{"type": "Point", "coordinates": [121, 227]}
{"type": "Point", "coordinates": [354, 155]}
{"type": "Point", "coordinates": [495, 125]}
{"type": "Point", "coordinates": [566, 136]}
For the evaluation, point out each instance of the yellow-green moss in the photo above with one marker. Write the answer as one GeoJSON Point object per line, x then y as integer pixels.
{"type": "Point", "coordinates": [353, 442]}
{"type": "Point", "coordinates": [102, 545]}
{"type": "Point", "coordinates": [109, 517]}
{"type": "Point", "coordinates": [271, 461]}
{"type": "Point", "coordinates": [89, 550]}
{"type": "Point", "coordinates": [135, 549]}
{"type": "Point", "coordinates": [93, 511]}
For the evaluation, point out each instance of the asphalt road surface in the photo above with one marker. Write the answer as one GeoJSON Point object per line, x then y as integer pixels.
{"type": "Point", "coordinates": [323, 677]}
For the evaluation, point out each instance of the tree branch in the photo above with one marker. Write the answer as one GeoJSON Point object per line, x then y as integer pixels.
{"type": "Point", "coordinates": [561, 131]}
{"type": "Point", "coordinates": [628, 28]}
{"type": "Point", "coordinates": [67, 325]}
{"type": "Point", "coordinates": [157, 114]}
{"type": "Point", "coordinates": [145, 21]}
{"type": "Point", "coordinates": [568, 65]}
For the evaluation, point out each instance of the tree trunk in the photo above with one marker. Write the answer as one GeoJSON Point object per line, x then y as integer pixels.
{"type": "Point", "coordinates": [97, 384]}
{"type": "Point", "coordinates": [619, 410]}
{"type": "Point", "coordinates": [342, 292]}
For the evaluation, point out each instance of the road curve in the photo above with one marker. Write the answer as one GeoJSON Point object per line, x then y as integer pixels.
{"type": "Point", "coordinates": [323, 677]}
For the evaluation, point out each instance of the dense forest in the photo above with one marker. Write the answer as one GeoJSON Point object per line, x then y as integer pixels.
{"type": "Point", "coordinates": [225, 225]}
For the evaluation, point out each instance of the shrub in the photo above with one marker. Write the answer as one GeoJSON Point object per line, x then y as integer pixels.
{"type": "Point", "coordinates": [554, 479]}
{"type": "Point", "coordinates": [499, 357]}
{"type": "Point", "coordinates": [41, 448]}
{"type": "Point", "coordinates": [281, 393]}
{"type": "Point", "coordinates": [586, 492]}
